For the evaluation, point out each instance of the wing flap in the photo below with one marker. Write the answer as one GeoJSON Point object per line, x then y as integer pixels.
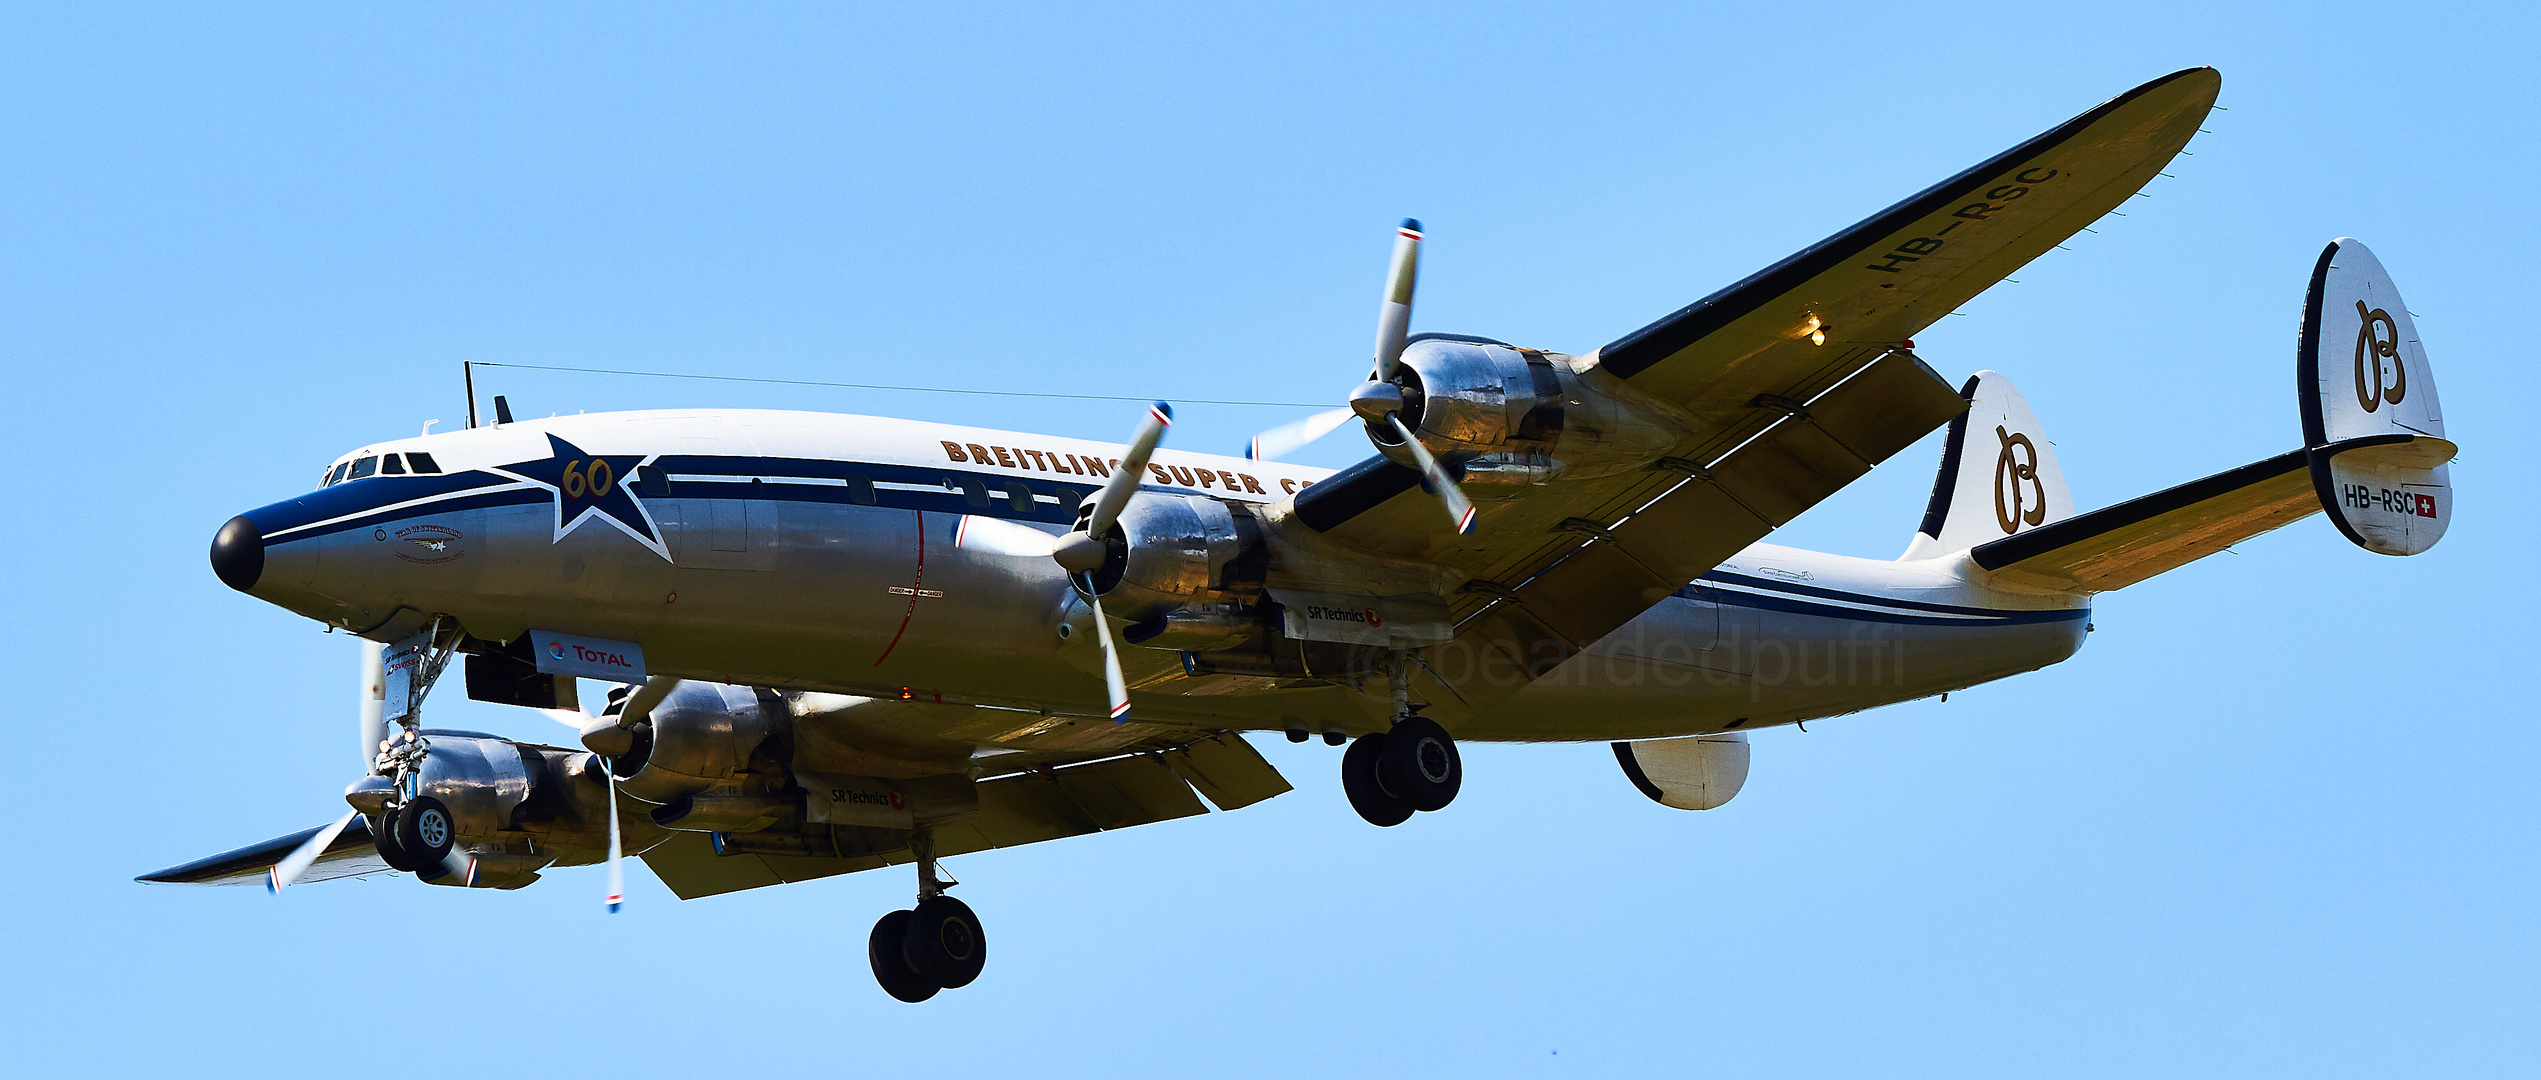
{"type": "Point", "coordinates": [2137, 539]}
{"type": "Point", "coordinates": [1229, 771]}
{"type": "Point", "coordinates": [1024, 808]}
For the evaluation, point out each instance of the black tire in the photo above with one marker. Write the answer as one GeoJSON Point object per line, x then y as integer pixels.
{"type": "Point", "coordinates": [390, 851]}
{"type": "Point", "coordinates": [427, 831]}
{"type": "Point", "coordinates": [1366, 790]}
{"type": "Point", "coordinates": [945, 943]}
{"type": "Point", "coordinates": [1420, 764]}
{"type": "Point", "coordinates": [883, 948]}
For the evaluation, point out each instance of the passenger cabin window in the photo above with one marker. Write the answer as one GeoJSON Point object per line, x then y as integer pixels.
{"type": "Point", "coordinates": [422, 462]}
{"type": "Point", "coordinates": [362, 467]}
{"type": "Point", "coordinates": [392, 465]}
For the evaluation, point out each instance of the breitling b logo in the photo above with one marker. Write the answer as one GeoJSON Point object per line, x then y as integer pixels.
{"type": "Point", "coordinates": [2011, 508]}
{"type": "Point", "coordinates": [2377, 340]}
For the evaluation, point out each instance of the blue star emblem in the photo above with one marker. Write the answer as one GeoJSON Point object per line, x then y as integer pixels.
{"type": "Point", "coordinates": [591, 486]}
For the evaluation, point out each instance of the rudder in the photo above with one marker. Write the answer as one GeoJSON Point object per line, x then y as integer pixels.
{"type": "Point", "coordinates": [1999, 475]}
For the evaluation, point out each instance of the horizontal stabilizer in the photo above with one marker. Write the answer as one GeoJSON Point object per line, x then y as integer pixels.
{"type": "Point", "coordinates": [2124, 544]}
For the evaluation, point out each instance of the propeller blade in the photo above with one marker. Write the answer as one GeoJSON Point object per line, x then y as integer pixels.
{"type": "Point", "coordinates": [640, 703]}
{"type": "Point", "coordinates": [1125, 478]}
{"type": "Point", "coordinates": [1113, 684]}
{"type": "Point", "coordinates": [1458, 507]}
{"type": "Point", "coordinates": [1394, 316]}
{"type": "Point", "coordinates": [306, 855]}
{"type": "Point", "coordinates": [1288, 438]}
{"type": "Point", "coordinates": [617, 852]}
{"type": "Point", "coordinates": [998, 536]}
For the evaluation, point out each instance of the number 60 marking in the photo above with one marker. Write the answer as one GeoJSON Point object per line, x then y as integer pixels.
{"type": "Point", "coordinates": [593, 482]}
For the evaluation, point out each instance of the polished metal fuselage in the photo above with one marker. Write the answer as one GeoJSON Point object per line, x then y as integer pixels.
{"type": "Point", "coordinates": [830, 553]}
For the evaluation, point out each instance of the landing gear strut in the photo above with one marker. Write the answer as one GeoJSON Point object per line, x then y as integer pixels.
{"type": "Point", "coordinates": [938, 945]}
{"type": "Point", "coordinates": [415, 833]}
{"type": "Point", "coordinates": [1390, 775]}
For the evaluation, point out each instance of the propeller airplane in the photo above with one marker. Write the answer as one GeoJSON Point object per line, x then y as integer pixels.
{"type": "Point", "coordinates": [838, 643]}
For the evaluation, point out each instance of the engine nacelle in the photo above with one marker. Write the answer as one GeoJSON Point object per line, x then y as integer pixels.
{"type": "Point", "coordinates": [1169, 551]}
{"type": "Point", "coordinates": [697, 737]}
{"type": "Point", "coordinates": [482, 779]}
{"type": "Point", "coordinates": [515, 807]}
{"type": "Point", "coordinates": [1507, 416]}
{"type": "Point", "coordinates": [1468, 399]}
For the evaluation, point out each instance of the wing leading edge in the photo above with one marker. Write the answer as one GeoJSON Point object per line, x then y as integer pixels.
{"type": "Point", "coordinates": [1902, 269]}
{"type": "Point", "coordinates": [350, 855]}
{"type": "Point", "coordinates": [1780, 421]}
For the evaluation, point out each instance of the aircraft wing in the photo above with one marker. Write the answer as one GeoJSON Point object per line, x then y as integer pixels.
{"type": "Point", "coordinates": [351, 855]}
{"type": "Point", "coordinates": [1021, 808]}
{"type": "Point", "coordinates": [2124, 544]}
{"type": "Point", "coordinates": [1779, 422]}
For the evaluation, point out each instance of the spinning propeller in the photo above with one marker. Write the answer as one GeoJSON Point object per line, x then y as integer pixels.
{"type": "Point", "coordinates": [283, 873]}
{"type": "Point", "coordinates": [610, 735]}
{"type": "Point", "coordinates": [1085, 550]}
{"type": "Point", "coordinates": [1380, 401]}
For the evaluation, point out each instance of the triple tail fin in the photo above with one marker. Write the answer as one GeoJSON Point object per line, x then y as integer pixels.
{"type": "Point", "coordinates": [1999, 475]}
{"type": "Point", "coordinates": [2374, 456]}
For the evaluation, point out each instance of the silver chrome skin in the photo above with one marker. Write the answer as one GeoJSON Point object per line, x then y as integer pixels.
{"type": "Point", "coordinates": [482, 781]}
{"type": "Point", "coordinates": [518, 807]}
{"type": "Point", "coordinates": [1170, 550]}
{"type": "Point", "coordinates": [1464, 399]}
{"type": "Point", "coordinates": [701, 734]}
{"type": "Point", "coordinates": [1528, 414]}
{"type": "Point", "coordinates": [822, 601]}
{"type": "Point", "coordinates": [369, 794]}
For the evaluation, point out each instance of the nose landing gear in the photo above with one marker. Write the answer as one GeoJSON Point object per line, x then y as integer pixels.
{"type": "Point", "coordinates": [938, 945]}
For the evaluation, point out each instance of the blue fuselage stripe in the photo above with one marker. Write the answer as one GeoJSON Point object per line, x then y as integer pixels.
{"type": "Point", "coordinates": [391, 498]}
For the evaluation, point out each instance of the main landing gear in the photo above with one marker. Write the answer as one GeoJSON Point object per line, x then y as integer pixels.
{"type": "Point", "coordinates": [937, 945]}
{"type": "Point", "coordinates": [1390, 775]}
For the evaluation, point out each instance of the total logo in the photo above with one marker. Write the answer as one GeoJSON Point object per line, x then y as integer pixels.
{"type": "Point", "coordinates": [558, 650]}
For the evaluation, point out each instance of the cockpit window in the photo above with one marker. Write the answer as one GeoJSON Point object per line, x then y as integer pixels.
{"type": "Point", "coordinates": [422, 462]}
{"type": "Point", "coordinates": [337, 477]}
{"type": "Point", "coordinates": [392, 465]}
{"type": "Point", "coordinates": [362, 467]}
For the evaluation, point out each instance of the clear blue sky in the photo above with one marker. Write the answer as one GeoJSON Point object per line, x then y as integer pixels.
{"type": "Point", "coordinates": [2276, 819]}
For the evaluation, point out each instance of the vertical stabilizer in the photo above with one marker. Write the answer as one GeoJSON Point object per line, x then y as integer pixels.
{"type": "Point", "coordinates": [2370, 418]}
{"type": "Point", "coordinates": [1998, 477]}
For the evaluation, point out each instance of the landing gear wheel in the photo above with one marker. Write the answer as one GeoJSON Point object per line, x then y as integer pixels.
{"type": "Point", "coordinates": [883, 949]}
{"type": "Point", "coordinates": [1419, 763]}
{"type": "Point", "coordinates": [390, 851]}
{"type": "Point", "coordinates": [426, 831]}
{"type": "Point", "coordinates": [1366, 789]}
{"type": "Point", "coordinates": [945, 944]}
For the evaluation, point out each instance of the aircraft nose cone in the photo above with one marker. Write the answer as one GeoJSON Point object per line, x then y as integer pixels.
{"type": "Point", "coordinates": [238, 553]}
